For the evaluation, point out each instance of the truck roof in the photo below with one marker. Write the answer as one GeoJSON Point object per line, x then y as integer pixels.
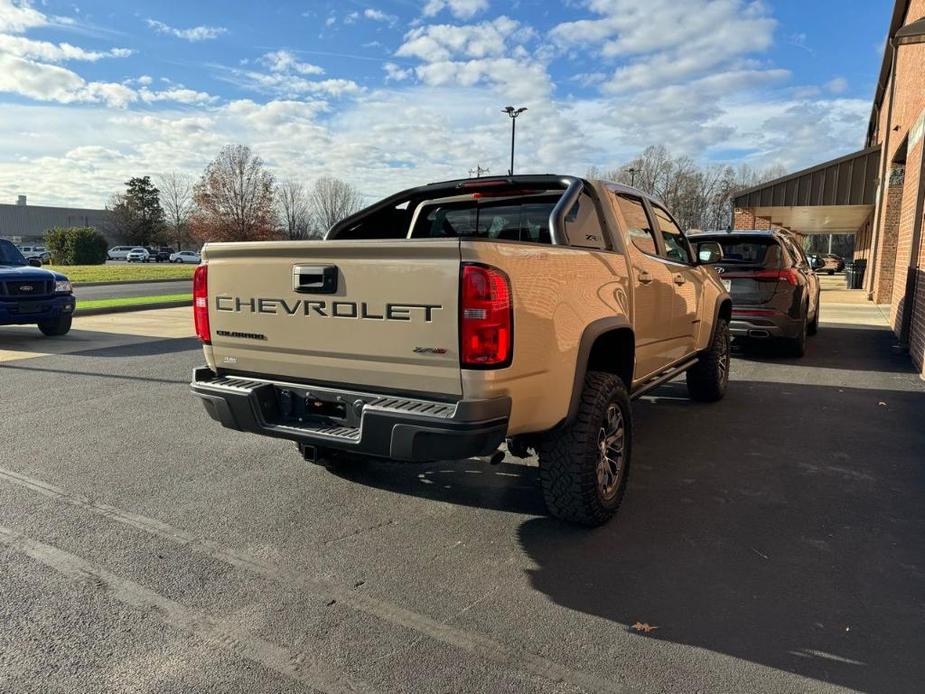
{"type": "Point", "coordinates": [455, 186]}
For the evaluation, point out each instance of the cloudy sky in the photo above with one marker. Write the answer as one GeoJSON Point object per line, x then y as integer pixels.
{"type": "Point", "coordinates": [392, 93]}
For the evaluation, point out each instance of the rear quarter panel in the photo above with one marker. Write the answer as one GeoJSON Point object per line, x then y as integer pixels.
{"type": "Point", "coordinates": [557, 292]}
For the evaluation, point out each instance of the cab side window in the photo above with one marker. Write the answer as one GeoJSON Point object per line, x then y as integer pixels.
{"type": "Point", "coordinates": [582, 227]}
{"type": "Point", "coordinates": [676, 248]}
{"type": "Point", "coordinates": [637, 222]}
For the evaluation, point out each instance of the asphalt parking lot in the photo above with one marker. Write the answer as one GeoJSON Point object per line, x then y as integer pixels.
{"type": "Point", "coordinates": [776, 540]}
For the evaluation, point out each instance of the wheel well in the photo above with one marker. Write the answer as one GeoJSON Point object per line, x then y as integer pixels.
{"type": "Point", "coordinates": [725, 310]}
{"type": "Point", "coordinates": [614, 352]}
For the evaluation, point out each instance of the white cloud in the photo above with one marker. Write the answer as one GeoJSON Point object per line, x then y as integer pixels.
{"type": "Point", "coordinates": [45, 82]}
{"type": "Point", "coordinates": [461, 9]}
{"type": "Point", "coordinates": [379, 16]}
{"type": "Point", "coordinates": [17, 17]}
{"type": "Point", "coordinates": [838, 85]}
{"type": "Point", "coordinates": [198, 33]}
{"type": "Point", "coordinates": [284, 61]}
{"type": "Point", "coordinates": [396, 73]}
{"type": "Point", "coordinates": [54, 52]}
{"type": "Point", "coordinates": [179, 95]}
{"type": "Point", "coordinates": [442, 42]}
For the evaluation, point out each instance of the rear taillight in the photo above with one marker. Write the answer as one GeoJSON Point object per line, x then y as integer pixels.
{"type": "Point", "coordinates": [201, 303]}
{"type": "Point", "coordinates": [486, 319]}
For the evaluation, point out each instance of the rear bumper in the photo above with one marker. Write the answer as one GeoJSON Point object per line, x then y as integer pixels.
{"type": "Point", "coordinates": [400, 428]}
{"type": "Point", "coordinates": [32, 311]}
{"type": "Point", "coordinates": [770, 325]}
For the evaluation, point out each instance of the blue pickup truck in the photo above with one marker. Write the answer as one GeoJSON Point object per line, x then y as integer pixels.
{"type": "Point", "coordinates": [30, 295]}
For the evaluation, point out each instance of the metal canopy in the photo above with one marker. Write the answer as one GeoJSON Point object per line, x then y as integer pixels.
{"type": "Point", "coordinates": [836, 197]}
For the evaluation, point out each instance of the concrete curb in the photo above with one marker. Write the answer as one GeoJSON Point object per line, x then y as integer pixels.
{"type": "Point", "coordinates": [131, 308]}
{"type": "Point", "coordinates": [127, 282]}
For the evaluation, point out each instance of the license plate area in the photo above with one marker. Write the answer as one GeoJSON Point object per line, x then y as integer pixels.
{"type": "Point", "coordinates": [298, 405]}
{"type": "Point", "coordinates": [30, 307]}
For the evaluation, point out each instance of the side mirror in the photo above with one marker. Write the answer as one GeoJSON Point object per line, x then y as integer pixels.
{"type": "Point", "coordinates": [709, 252]}
{"type": "Point", "coordinates": [35, 262]}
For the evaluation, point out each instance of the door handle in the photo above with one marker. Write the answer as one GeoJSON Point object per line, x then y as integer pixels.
{"type": "Point", "coordinates": [645, 277]}
{"type": "Point", "coordinates": [679, 279]}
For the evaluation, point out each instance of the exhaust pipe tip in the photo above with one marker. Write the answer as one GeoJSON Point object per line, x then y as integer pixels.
{"type": "Point", "coordinates": [759, 333]}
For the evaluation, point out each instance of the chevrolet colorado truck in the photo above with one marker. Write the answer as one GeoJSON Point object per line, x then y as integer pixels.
{"type": "Point", "coordinates": [30, 295]}
{"type": "Point", "coordinates": [450, 318]}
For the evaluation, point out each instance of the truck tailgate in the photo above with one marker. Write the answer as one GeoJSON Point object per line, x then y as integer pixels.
{"type": "Point", "coordinates": [372, 314]}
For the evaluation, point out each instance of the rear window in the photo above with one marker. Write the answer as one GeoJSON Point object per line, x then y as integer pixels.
{"type": "Point", "coordinates": [750, 251]}
{"type": "Point", "coordinates": [511, 220]}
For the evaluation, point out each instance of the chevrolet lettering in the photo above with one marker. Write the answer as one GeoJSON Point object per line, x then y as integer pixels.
{"type": "Point", "coordinates": [328, 309]}
{"type": "Point", "coordinates": [526, 310]}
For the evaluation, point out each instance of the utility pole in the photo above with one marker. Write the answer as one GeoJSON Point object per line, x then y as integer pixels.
{"type": "Point", "coordinates": [632, 172]}
{"type": "Point", "coordinates": [478, 171]}
{"type": "Point", "coordinates": [513, 113]}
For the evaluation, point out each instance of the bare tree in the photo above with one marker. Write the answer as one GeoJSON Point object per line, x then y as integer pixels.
{"type": "Point", "coordinates": [176, 191]}
{"type": "Point", "coordinates": [294, 213]}
{"type": "Point", "coordinates": [234, 198]}
{"type": "Point", "coordinates": [698, 197]}
{"type": "Point", "coordinates": [330, 201]}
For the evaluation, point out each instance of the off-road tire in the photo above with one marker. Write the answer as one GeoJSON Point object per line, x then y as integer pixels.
{"type": "Point", "coordinates": [56, 328]}
{"type": "Point", "coordinates": [796, 346]}
{"type": "Point", "coordinates": [570, 457]}
{"type": "Point", "coordinates": [708, 378]}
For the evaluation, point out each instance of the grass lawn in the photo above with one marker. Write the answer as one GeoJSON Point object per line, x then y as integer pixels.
{"type": "Point", "coordinates": [126, 272]}
{"type": "Point", "coordinates": [132, 301]}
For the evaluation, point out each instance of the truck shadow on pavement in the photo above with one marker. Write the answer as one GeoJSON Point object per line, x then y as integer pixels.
{"type": "Point", "coordinates": [513, 488]}
{"type": "Point", "coordinates": [784, 526]}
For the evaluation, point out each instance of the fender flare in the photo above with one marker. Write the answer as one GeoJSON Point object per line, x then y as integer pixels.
{"type": "Point", "coordinates": [590, 334]}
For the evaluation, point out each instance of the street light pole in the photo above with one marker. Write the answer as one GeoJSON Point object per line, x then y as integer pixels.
{"type": "Point", "coordinates": [513, 113]}
{"type": "Point", "coordinates": [632, 172]}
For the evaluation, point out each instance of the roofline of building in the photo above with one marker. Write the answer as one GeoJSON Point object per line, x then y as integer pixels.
{"type": "Point", "coordinates": [803, 172]}
{"type": "Point", "coordinates": [900, 9]}
{"type": "Point", "coordinates": [51, 207]}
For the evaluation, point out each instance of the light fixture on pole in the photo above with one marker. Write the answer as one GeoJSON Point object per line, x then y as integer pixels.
{"type": "Point", "coordinates": [632, 172]}
{"type": "Point", "coordinates": [513, 113]}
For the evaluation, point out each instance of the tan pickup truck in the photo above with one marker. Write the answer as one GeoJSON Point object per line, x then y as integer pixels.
{"type": "Point", "coordinates": [447, 319]}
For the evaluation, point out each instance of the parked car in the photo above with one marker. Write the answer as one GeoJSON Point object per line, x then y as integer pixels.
{"type": "Point", "coordinates": [161, 254]}
{"type": "Point", "coordinates": [833, 263]}
{"type": "Point", "coordinates": [30, 295]}
{"type": "Point", "coordinates": [119, 252]}
{"type": "Point", "coordinates": [39, 252]}
{"type": "Point", "coordinates": [775, 292]}
{"type": "Point", "coordinates": [138, 254]}
{"type": "Point", "coordinates": [186, 257]}
{"type": "Point", "coordinates": [816, 261]}
{"type": "Point", "coordinates": [445, 319]}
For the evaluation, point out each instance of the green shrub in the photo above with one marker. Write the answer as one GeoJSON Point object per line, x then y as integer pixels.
{"type": "Point", "coordinates": [76, 246]}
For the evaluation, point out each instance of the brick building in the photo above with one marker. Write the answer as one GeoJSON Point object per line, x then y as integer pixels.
{"type": "Point", "coordinates": [876, 193]}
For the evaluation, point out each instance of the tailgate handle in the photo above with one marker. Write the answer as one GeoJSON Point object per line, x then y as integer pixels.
{"type": "Point", "coordinates": [314, 279]}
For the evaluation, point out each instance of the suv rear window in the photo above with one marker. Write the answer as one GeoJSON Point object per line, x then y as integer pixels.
{"type": "Point", "coordinates": [765, 252]}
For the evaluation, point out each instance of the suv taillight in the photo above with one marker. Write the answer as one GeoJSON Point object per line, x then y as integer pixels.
{"type": "Point", "coordinates": [201, 303]}
{"type": "Point", "coordinates": [486, 318]}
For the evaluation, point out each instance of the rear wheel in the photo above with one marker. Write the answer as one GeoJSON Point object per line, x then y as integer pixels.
{"type": "Point", "coordinates": [813, 326]}
{"type": "Point", "coordinates": [56, 328]}
{"type": "Point", "coordinates": [708, 378]}
{"type": "Point", "coordinates": [796, 346]}
{"type": "Point", "coordinates": [584, 466]}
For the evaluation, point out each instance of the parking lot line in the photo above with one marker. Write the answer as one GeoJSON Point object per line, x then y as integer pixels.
{"type": "Point", "coordinates": [296, 666]}
{"type": "Point", "coordinates": [482, 646]}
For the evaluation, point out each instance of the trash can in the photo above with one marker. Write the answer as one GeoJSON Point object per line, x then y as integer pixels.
{"type": "Point", "coordinates": [860, 266]}
{"type": "Point", "coordinates": [854, 274]}
{"type": "Point", "coordinates": [849, 275]}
